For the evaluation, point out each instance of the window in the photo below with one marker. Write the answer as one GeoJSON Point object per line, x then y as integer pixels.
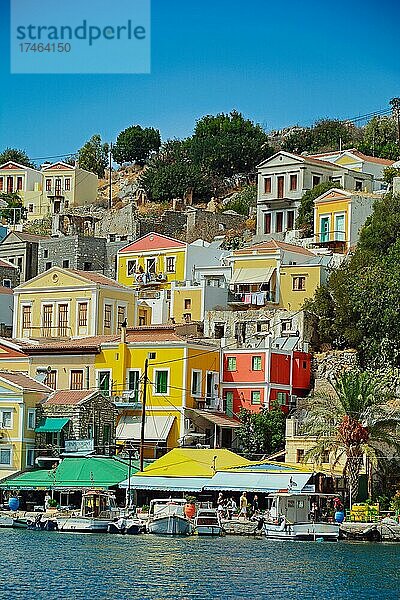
{"type": "Point", "coordinates": [26, 317]}
{"type": "Point", "coordinates": [63, 320]}
{"type": "Point", "coordinates": [82, 314]}
{"type": "Point", "coordinates": [281, 187]}
{"type": "Point", "coordinates": [170, 264]}
{"type": "Point", "coordinates": [231, 363]}
{"type": "Point", "coordinates": [256, 363]}
{"type": "Point", "coordinates": [131, 267]}
{"type": "Point", "coordinates": [30, 457]}
{"type": "Point", "coordinates": [48, 185]}
{"type": "Point", "coordinates": [293, 183]}
{"type": "Point", "coordinates": [47, 319]}
{"type": "Point", "coordinates": [316, 180]}
{"type": "Point", "coordinates": [262, 326]}
{"type": "Point", "coordinates": [281, 398]}
{"type": "Point", "coordinates": [188, 304]}
{"type": "Point", "coordinates": [121, 315]}
{"type": "Point", "coordinates": [304, 364]}
{"type": "Point", "coordinates": [58, 186]}
{"type": "Point", "coordinates": [187, 317]}
{"type": "Point", "coordinates": [299, 455]}
{"type": "Point", "coordinates": [66, 264]}
{"type": "Point", "coordinates": [324, 229]}
{"type": "Point", "coordinates": [47, 266]}
{"type": "Point", "coordinates": [67, 184]}
{"type": "Point", "coordinates": [267, 223]}
{"type": "Point", "coordinates": [290, 219]}
{"type": "Point", "coordinates": [267, 185]}
{"type": "Point", "coordinates": [6, 419]}
{"type": "Point", "coordinates": [256, 397]}
{"type": "Point", "coordinates": [30, 208]}
{"type": "Point", "coordinates": [77, 379]}
{"type": "Point", "coordinates": [229, 404]}
{"type": "Point", "coordinates": [7, 283]}
{"type": "Point", "coordinates": [31, 418]}
{"type": "Point", "coordinates": [45, 253]}
{"type": "Point", "coordinates": [51, 380]}
{"type": "Point", "coordinates": [279, 222]}
{"type": "Point", "coordinates": [196, 383]}
{"type": "Point", "coordinates": [104, 381]}
{"type": "Point", "coordinates": [107, 316]}
{"type": "Point", "coordinates": [219, 331]}
{"type": "Point", "coordinates": [299, 284]}
{"type": "Point", "coordinates": [10, 185]}
{"type": "Point", "coordinates": [5, 456]}
{"type": "Point", "coordinates": [1, 184]}
{"type": "Point", "coordinates": [133, 383]}
{"type": "Point", "coordinates": [358, 186]}
{"type": "Point", "coordinates": [340, 233]}
{"type": "Point", "coordinates": [161, 382]}
{"type": "Point", "coordinates": [151, 265]}
{"type": "Point", "coordinates": [87, 266]}
{"type": "Point", "coordinates": [19, 183]}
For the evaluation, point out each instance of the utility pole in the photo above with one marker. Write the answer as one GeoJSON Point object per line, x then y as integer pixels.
{"type": "Point", "coordinates": [395, 104]}
{"type": "Point", "coordinates": [110, 178]}
{"type": "Point", "coordinates": [142, 429]}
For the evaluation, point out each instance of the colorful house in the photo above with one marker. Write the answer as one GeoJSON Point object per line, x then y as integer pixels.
{"type": "Point", "coordinates": [67, 185]}
{"type": "Point", "coordinates": [339, 216]}
{"type": "Point", "coordinates": [257, 377]}
{"type": "Point", "coordinates": [27, 183]}
{"type": "Point", "coordinates": [19, 396]}
{"type": "Point", "coordinates": [275, 274]}
{"type": "Point", "coordinates": [64, 303]}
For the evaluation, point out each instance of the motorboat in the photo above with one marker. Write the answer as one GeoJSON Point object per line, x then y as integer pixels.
{"type": "Point", "coordinates": [128, 525]}
{"type": "Point", "coordinates": [292, 517]}
{"type": "Point", "coordinates": [207, 522]}
{"type": "Point", "coordinates": [167, 517]}
{"type": "Point", "coordinates": [97, 510]}
{"type": "Point", "coordinates": [41, 523]}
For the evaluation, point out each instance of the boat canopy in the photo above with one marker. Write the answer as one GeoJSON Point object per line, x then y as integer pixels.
{"type": "Point", "coordinates": [168, 484]}
{"type": "Point", "coordinates": [51, 425]}
{"type": "Point", "coordinates": [258, 482]}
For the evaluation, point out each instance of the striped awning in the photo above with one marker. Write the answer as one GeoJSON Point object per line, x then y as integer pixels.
{"type": "Point", "coordinates": [256, 275]}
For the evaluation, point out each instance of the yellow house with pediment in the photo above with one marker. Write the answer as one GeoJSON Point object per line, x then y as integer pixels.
{"type": "Point", "coordinates": [66, 303]}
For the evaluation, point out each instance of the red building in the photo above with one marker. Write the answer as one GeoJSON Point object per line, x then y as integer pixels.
{"type": "Point", "coordinates": [256, 377]}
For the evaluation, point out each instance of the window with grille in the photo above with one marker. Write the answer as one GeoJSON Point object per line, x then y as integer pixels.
{"type": "Point", "coordinates": [267, 185]}
{"type": "Point", "coordinates": [63, 320]}
{"type": "Point", "coordinates": [82, 314]}
{"type": "Point", "coordinates": [256, 363]}
{"type": "Point", "coordinates": [6, 419]}
{"type": "Point", "coordinates": [131, 267]}
{"type": "Point", "coordinates": [5, 456]}
{"type": "Point", "coordinates": [256, 397]}
{"type": "Point", "coordinates": [299, 284]}
{"type": "Point", "coordinates": [107, 316]}
{"type": "Point", "coordinates": [77, 379]}
{"type": "Point", "coordinates": [170, 264]}
{"type": "Point", "coordinates": [67, 184]}
{"type": "Point", "coordinates": [48, 185]}
{"type": "Point", "coordinates": [51, 379]}
{"type": "Point", "coordinates": [231, 363]}
{"type": "Point", "coordinates": [26, 317]}
{"type": "Point", "coordinates": [47, 319]}
{"type": "Point", "coordinates": [31, 418]}
{"type": "Point", "coordinates": [161, 382]}
{"type": "Point", "coordinates": [121, 315]}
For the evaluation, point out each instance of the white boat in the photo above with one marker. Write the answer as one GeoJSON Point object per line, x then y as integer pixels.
{"type": "Point", "coordinates": [207, 522]}
{"type": "Point", "coordinates": [167, 517]}
{"type": "Point", "coordinates": [6, 521]}
{"type": "Point", "coordinates": [97, 510]}
{"type": "Point", "coordinates": [126, 525]}
{"type": "Point", "coordinates": [290, 519]}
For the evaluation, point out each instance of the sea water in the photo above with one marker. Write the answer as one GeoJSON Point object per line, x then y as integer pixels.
{"type": "Point", "coordinates": [52, 565]}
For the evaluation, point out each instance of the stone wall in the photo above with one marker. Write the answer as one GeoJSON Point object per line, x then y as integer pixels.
{"type": "Point", "coordinates": [74, 252]}
{"type": "Point", "coordinates": [9, 273]}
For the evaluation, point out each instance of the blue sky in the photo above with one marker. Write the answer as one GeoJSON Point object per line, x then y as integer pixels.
{"type": "Point", "coordinates": [280, 63]}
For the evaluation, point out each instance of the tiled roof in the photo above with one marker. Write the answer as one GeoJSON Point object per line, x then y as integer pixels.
{"type": "Point", "coordinates": [275, 245]}
{"type": "Point", "coordinates": [29, 237]}
{"type": "Point", "coordinates": [24, 381]}
{"type": "Point", "coordinates": [361, 155]}
{"type": "Point", "coordinates": [97, 278]}
{"type": "Point", "coordinates": [91, 343]}
{"type": "Point", "coordinates": [5, 290]}
{"type": "Point", "coordinates": [153, 241]}
{"type": "Point", "coordinates": [6, 264]}
{"type": "Point", "coordinates": [68, 397]}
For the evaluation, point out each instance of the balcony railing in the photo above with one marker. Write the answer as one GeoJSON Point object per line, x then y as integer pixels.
{"type": "Point", "coordinates": [55, 191]}
{"type": "Point", "coordinates": [149, 278]}
{"type": "Point", "coordinates": [251, 298]}
{"type": "Point", "coordinates": [211, 403]}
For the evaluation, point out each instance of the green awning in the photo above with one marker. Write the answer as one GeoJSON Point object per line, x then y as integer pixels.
{"type": "Point", "coordinates": [51, 425]}
{"type": "Point", "coordinates": [75, 474]}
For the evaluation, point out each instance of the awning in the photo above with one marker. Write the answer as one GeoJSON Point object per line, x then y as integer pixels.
{"type": "Point", "coordinates": [156, 428]}
{"type": "Point", "coordinates": [51, 425]}
{"type": "Point", "coordinates": [256, 275]}
{"type": "Point", "coordinates": [168, 484]}
{"type": "Point", "coordinates": [258, 482]}
{"type": "Point", "coordinates": [216, 418]}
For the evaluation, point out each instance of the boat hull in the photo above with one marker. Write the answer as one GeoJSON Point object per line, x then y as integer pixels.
{"type": "Point", "coordinates": [302, 531]}
{"type": "Point", "coordinates": [82, 524]}
{"type": "Point", "coordinates": [6, 521]}
{"type": "Point", "coordinates": [213, 530]}
{"type": "Point", "coordinates": [170, 525]}
{"type": "Point", "coordinates": [126, 528]}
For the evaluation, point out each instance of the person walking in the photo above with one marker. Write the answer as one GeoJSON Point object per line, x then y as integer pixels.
{"type": "Point", "coordinates": [243, 505]}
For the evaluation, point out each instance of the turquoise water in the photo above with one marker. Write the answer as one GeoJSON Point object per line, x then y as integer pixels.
{"type": "Point", "coordinates": [51, 565]}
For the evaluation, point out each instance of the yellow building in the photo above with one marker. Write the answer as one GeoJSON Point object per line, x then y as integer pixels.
{"type": "Point", "coordinates": [19, 396]}
{"type": "Point", "coordinates": [275, 274]}
{"type": "Point", "coordinates": [68, 185]}
{"type": "Point", "coordinates": [64, 303]}
{"type": "Point", "coordinates": [27, 183]}
{"type": "Point", "coordinates": [338, 217]}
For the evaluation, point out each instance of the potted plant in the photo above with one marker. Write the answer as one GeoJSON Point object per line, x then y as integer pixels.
{"type": "Point", "coordinates": [53, 504]}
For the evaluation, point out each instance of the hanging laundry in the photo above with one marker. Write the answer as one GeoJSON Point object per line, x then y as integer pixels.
{"type": "Point", "coordinates": [260, 298]}
{"type": "Point", "coordinates": [254, 298]}
{"type": "Point", "coordinates": [247, 298]}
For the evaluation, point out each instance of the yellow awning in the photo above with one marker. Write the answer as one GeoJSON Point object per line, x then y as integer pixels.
{"type": "Point", "coordinates": [256, 275]}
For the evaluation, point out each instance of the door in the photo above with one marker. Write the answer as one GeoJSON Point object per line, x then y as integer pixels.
{"type": "Point", "coordinates": [281, 184]}
{"type": "Point", "coordinates": [339, 228]}
{"type": "Point", "coordinates": [324, 229]}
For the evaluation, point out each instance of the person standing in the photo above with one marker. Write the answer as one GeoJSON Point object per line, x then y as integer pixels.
{"type": "Point", "coordinates": [254, 505]}
{"type": "Point", "coordinates": [243, 505]}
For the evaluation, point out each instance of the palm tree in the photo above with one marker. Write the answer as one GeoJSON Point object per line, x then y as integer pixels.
{"type": "Point", "coordinates": [358, 419]}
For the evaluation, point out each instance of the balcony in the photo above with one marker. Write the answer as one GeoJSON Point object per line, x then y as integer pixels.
{"type": "Point", "coordinates": [55, 192]}
{"type": "Point", "coordinates": [128, 400]}
{"type": "Point", "coordinates": [212, 403]}
{"type": "Point", "coordinates": [149, 295]}
{"type": "Point", "coordinates": [253, 299]}
{"type": "Point", "coordinates": [149, 278]}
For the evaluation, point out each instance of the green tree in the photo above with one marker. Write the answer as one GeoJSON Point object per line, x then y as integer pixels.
{"type": "Point", "coordinates": [243, 201]}
{"type": "Point", "coordinates": [171, 174]}
{"type": "Point", "coordinates": [18, 156]}
{"type": "Point", "coordinates": [380, 138]}
{"type": "Point", "coordinates": [93, 156]}
{"type": "Point", "coordinates": [262, 432]}
{"type": "Point", "coordinates": [15, 211]}
{"type": "Point", "coordinates": [305, 219]}
{"type": "Point", "coordinates": [325, 135]}
{"type": "Point", "coordinates": [355, 421]}
{"type": "Point", "coordinates": [298, 141]}
{"type": "Point", "coordinates": [135, 144]}
{"type": "Point", "coordinates": [228, 144]}
{"type": "Point", "coordinates": [389, 173]}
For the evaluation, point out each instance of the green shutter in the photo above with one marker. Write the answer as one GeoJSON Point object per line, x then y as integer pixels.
{"type": "Point", "coordinates": [162, 382]}
{"type": "Point", "coordinates": [229, 404]}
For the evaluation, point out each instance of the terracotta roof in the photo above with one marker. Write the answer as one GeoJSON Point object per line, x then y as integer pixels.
{"type": "Point", "coordinates": [98, 278]}
{"type": "Point", "coordinates": [366, 157]}
{"type": "Point", "coordinates": [27, 237]}
{"type": "Point", "coordinates": [5, 290]}
{"type": "Point", "coordinates": [10, 352]}
{"type": "Point", "coordinates": [68, 397]}
{"type": "Point", "coordinates": [153, 241]}
{"type": "Point", "coordinates": [24, 381]}
{"type": "Point", "coordinates": [89, 344]}
{"type": "Point", "coordinates": [274, 245]}
{"type": "Point", "coordinates": [6, 264]}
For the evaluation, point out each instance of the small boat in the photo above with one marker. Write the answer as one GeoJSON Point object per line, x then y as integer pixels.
{"type": "Point", "coordinates": [289, 519]}
{"type": "Point", "coordinates": [97, 510]}
{"type": "Point", "coordinates": [207, 522]}
{"type": "Point", "coordinates": [41, 523]}
{"type": "Point", "coordinates": [126, 525]}
{"type": "Point", "coordinates": [167, 517]}
{"type": "Point", "coordinates": [6, 521]}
